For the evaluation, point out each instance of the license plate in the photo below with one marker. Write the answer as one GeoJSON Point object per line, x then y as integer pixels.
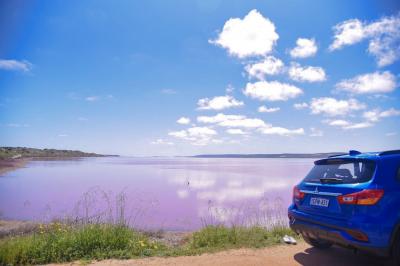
{"type": "Point", "coordinates": [319, 202]}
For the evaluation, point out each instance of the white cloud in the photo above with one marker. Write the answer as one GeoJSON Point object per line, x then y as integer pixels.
{"type": "Point", "coordinates": [183, 121]}
{"type": "Point", "coordinates": [201, 131]}
{"type": "Point", "coordinates": [178, 134]}
{"type": "Point", "coordinates": [235, 131]}
{"type": "Point", "coordinates": [16, 125]}
{"type": "Point", "coordinates": [271, 91]}
{"type": "Point", "coordinates": [234, 121]}
{"type": "Point", "coordinates": [281, 131]}
{"type": "Point", "coordinates": [264, 109]}
{"type": "Point", "coordinates": [254, 35]}
{"type": "Point", "coordinates": [269, 66]}
{"type": "Point", "coordinates": [308, 73]}
{"type": "Point", "coordinates": [168, 91]}
{"type": "Point", "coordinates": [377, 82]}
{"type": "Point", "coordinates": [304, 48]}
{"type": "Point", "coordinates": [391, 134]}
{"type": "Point", "coordinates": [92, 98]}
{"type": "Point", "coordinates": [338, 123]}
{"type": "Point", "coordinates": [375, 115]}
{"type": "Point", "coordinates": [62, 135]}
{"type": "Point", "coordinates": [15, 65]}
{"type": "Point", "coordinates": [196, 135]}
{"type": "Point", "coordinates": [218, 103]}
{"type": "Point", "coordinates": [332, 107]}
{"type": "Point", "coordinates": [346, 33]}
{"type": "Point", "coordinates": [245, 123]}
{"type": "Point", "coordinates": [219, 118]}
{"type": "Point", "coordinates": [300, 106]}
{"type": "Point", "coordinates": [344, 124]}
{"type": "Point", "coordinates": [383, 36]}
{"type": "Point", "coordinates": [358, 125]}
{"type": "Point", "coordinates": [161, 142]}
{"type": "Point", "coordinates": [316, 132]}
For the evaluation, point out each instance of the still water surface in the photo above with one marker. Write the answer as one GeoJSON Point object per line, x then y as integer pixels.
{"type": "Point", "coordinates": [153, 193]}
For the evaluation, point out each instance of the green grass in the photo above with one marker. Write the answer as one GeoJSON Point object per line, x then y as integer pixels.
{"type": "Point", "coordinates": [61, 243]}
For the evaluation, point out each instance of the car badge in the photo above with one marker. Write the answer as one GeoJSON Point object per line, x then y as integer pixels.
{"type": "Point", "coordinates": [316, 190]}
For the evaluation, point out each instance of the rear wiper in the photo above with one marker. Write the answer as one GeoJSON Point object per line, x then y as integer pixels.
{"type": "Point", "coordinates": [330, 180]}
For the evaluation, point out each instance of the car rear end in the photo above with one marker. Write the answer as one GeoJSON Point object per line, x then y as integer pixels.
{"type": "Point", "coordinates": [339, 202]}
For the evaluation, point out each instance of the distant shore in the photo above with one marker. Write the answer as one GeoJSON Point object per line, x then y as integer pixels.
{"type": "Point", "coordinates": [12, 158]}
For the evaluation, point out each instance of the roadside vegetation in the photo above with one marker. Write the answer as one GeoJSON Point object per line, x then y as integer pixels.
{"type": "Point", "coordinates": [58, 242]}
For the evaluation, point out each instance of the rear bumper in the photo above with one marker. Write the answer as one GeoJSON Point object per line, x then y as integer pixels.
{"type": "Point", "coordinates": [335, 234]}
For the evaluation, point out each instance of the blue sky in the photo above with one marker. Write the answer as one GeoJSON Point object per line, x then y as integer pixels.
{"type": "Point", "coordinates": [192, 77]}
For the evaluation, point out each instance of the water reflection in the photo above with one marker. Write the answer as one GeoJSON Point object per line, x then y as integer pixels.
{"type": "Point", "coordinates": [168, 193]}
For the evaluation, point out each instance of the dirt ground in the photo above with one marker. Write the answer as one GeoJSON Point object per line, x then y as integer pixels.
{"type": "Point", "coordinates": [301, 254]}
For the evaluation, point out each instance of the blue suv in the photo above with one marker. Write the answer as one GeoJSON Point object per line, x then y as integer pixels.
{"type": "Point", "coordinates": [352, 200]}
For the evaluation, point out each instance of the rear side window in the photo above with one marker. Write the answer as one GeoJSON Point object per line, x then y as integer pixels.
{"type": "Point", "coordinates": [398, 174]}
{"type": "Point", "coordinates": [340, 171]}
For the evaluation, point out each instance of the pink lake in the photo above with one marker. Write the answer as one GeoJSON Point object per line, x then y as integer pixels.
{"type": "Point", "coordinates": [153, 193]}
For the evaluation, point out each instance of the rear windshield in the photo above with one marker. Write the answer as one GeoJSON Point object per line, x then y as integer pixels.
{"type": "Point", "coordinates": [339, 171]}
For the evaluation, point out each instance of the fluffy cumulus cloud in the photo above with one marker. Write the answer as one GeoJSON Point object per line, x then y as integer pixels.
{"type": "Point", "coordinates": [271, 91]}
{"type": "Point", "coordinates": [306, 74]}
{"type": "Point", "coordinates": [383, 37]}
{"type": "Point", "coordinates": [333, 107]}
{"type": "Point", "coordinates": [304, 48]}
{"type": "Point", "coordinates": [196, 135]}
{"type": "Point", "coordinates": [235, 131]}
{"type": "Point", "coordinates": [281, 131]}
{"type": "Point", "coordinates": [234, 121]}
{"type": "Point", "coordinates": [15, 65]}
{"type": "Point", "coordinates": [375, 115]}
{"type": "Point", "coordinates": [219, 118]}
{"type": "Point", "coordinates": [218, 103]}
{"type": "Point", "coordinates": [370, 119]}
{"type": "Point", "coordinates": [264, 109]}
{"type": "Point", "coordinates": [183, 120]}
{"type": "Point", "coordinates": [268, 66]}
{"type": "Point", "coordinates": [254, 35]}
{"type": "Point", "coordinates": [377, 82]}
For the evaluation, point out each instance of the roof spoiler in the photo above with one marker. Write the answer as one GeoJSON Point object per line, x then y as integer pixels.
{"type": "Point", "coordinates": [389, 152]}
{"type": "Point", "coordinates": [351, 153]}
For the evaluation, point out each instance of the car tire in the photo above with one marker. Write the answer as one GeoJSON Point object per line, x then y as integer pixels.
{"type": "Point", "coordinates": [318, 243]}
{"type": "Point", "coordinates": [396, 251]}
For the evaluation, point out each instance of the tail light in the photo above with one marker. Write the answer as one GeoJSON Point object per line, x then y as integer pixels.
{"type": "Point", "coordinates": [364, 197]}
{"type": "Point", "coordinates": [297, 194]}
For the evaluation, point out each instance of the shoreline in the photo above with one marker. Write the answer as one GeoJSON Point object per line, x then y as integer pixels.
{"type": "Point", "coordinates": [9, 165]}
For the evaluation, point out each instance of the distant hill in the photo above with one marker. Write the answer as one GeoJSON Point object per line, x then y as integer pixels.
{"type": "Point", "coordinates": [274, 155]}
{"type": "Point", "coordinates": [24, 152]}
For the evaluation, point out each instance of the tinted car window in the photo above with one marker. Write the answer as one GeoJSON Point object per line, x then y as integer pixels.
{"type": "Point", "coordinates": [341, 171]}
{"type": "Point", "coordinates": [398, 174]}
